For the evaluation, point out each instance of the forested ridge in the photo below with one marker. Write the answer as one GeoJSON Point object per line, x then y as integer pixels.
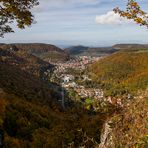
{"type": "Point", "coordinates": [73, 102]}
{"type": "Point", "coordinates": [123, 74]}
{"type": "Point", "coordinates": [124, 71]}
{"type": "Point", "coordinates": [30, 114]}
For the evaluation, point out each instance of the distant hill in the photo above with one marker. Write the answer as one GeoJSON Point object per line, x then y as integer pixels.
{"type": "Point", "coordinates": [99, 51]}
{"type": "Point", "coordinates": [24, 61]}
{"type": "Point", "coordinates": [46, 52]}
{"type": "Point", "coordinates": [90, 51]}
{"type": "Point", "coordinates": [134, 47]}
{"type": "Point", "coordinates": [76, 50]}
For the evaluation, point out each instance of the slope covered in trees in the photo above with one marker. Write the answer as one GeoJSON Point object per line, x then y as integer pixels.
{"type": "Point", "coordinates": [130, 127]}
{"type": "Point", "coordinates": [122, 72]}
{"type": "Point", "coordinates": [89, 51]}
{"type": "Point", "coordinates": [131, 47]}
{"type": "Point", "coordinates": [24, 61]}
{"type": "Point", "coordinates": [30, 114]}
{"type": "Point", "coordinates": [45, 52]}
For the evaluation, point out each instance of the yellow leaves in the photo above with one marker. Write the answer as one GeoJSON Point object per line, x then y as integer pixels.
{"type": "Point", "coordinates": [134, 12]}
{"type": "Point", "coordinates": [134, 4]}
{"type": "Point", "coordinates": [125, 14]}
{"type": "Point", "coordinates": [139, 20]}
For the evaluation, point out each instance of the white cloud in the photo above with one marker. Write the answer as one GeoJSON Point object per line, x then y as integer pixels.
{"type": "Point", "coordinates": [111, 18]}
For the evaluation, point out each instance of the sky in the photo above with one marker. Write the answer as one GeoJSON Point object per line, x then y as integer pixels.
{"type": "Point", "coordinates": [80, 22]}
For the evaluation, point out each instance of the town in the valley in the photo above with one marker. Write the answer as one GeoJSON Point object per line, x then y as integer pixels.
{"type": "Point", "coordinates": [73, 78]}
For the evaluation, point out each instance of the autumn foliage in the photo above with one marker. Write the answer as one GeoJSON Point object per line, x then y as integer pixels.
{"type": "Point", "coordinates": [30, 114]}
{"type": "Point", "coordinates": [134, 12]}
{"type": "Point", "coordinates": [15, 10]}
{"type": "Point", "coordinates": [130, 130]}
{"type": "Point", "coordinates": [122, 72]}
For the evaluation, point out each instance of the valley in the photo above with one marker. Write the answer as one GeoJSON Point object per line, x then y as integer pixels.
{"type": "Point", "coordinates": [72, 100]}
{"type": "Point", "coordinates": [73, 74]}
{"type": "Point", "coordinates": [73, 77]}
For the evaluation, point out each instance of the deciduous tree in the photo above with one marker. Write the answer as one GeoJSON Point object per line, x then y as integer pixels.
{"type": "Point", "coordinates": [134, 12]}
{"type": "Point", "coordinates": [18, 11]}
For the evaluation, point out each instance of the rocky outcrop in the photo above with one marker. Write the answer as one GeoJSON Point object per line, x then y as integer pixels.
{"type": "Point", "coordinates": [106, 137]}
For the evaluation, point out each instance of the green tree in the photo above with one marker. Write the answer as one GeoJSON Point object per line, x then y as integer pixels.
{"type": "Point", "coordinates": [18, 11]}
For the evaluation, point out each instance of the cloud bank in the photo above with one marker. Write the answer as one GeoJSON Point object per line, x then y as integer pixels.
{"type": "Point", "coordinates": [111, 18]}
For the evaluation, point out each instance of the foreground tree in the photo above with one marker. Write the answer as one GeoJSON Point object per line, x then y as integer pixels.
{"type": "Point", "coordinates": [134, 12]}
{"type": "Point", "coordinates": [18, 11]}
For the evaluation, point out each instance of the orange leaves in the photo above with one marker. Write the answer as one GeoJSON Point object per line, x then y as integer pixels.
{"type": "Point", "coordinates": [134, 4]}
{"type": "Point", "coordinates": [139, 20]}
{"type": "Point", "coordinates": [133, 11]}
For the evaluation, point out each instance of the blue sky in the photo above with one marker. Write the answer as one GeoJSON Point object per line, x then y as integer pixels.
{"type": "Point", "coordinates": [80, 22]}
